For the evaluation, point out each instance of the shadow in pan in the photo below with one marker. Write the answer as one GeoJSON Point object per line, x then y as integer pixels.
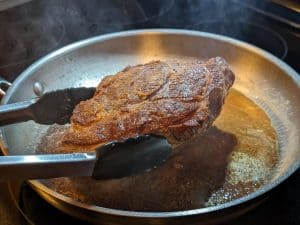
{"type": "Point", "coordinates": [186, 181]}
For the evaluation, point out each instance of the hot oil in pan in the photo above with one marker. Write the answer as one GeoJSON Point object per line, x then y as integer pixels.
{"type": "Point", "coordinates": [254, 158]}
{"type": "Point", "coordinates": [233, 159]}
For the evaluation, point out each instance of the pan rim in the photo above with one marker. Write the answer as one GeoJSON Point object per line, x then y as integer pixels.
{"type": "Point", "coordinates": [89, 41]}
{"type": "Point", "coordinates": [138, 214]}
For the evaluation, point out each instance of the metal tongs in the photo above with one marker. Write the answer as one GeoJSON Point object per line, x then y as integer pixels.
{"type": "Point", "coordinates": [52, 107]}
{"type": "Point", "coordinates": [113, 160]}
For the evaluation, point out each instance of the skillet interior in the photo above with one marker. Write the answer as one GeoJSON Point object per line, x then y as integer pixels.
{"type": "Point", "coordinates": [260, 76]}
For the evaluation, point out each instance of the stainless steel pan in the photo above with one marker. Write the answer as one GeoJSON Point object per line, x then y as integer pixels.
{"type": "Point", "coordinates": [260, 76]}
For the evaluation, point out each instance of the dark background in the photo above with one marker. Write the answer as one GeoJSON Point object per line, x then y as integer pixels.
{"type": "Point", "coordinates": [33, 29]}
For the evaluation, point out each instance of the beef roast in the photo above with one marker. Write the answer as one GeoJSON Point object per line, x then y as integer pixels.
{"type": "Point", "coordinates": [177, 98]}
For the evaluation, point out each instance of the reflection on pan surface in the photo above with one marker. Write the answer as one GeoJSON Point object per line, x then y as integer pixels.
{"type": "Point", "coordinates": [235, 157]}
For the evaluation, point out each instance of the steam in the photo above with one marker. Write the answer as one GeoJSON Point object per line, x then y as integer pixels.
{"type": "Point", "coordinates": [233, 18]}
{"type": "Point", "coordinates": [31, 30]}
{"type": "Point", "coordinates": [35, 28]}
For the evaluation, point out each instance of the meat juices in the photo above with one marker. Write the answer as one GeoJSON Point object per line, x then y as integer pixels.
{"type": "Point", "coordinates": [232, 159]}
{"type": "Point", "coordinates": [226, 162]}
{"type": "Point", "coordinates": [177, 99]}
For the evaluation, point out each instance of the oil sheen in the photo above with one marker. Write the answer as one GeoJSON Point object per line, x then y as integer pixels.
{"type": "Point", "coordinates": [236, 156]}
{"type": "Point", "coordinates": [254, 158]}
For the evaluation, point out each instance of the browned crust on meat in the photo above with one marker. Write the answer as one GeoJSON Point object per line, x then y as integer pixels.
{"type": "Point", "coordinates": [178, 99]}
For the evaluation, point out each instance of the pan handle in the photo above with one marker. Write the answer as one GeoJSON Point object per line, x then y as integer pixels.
{"type": "Point", "coordinates": [4, 85]}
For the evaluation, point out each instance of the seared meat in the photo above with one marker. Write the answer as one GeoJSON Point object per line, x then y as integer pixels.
{"type": "Point", "coordinates": [177, 99]}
